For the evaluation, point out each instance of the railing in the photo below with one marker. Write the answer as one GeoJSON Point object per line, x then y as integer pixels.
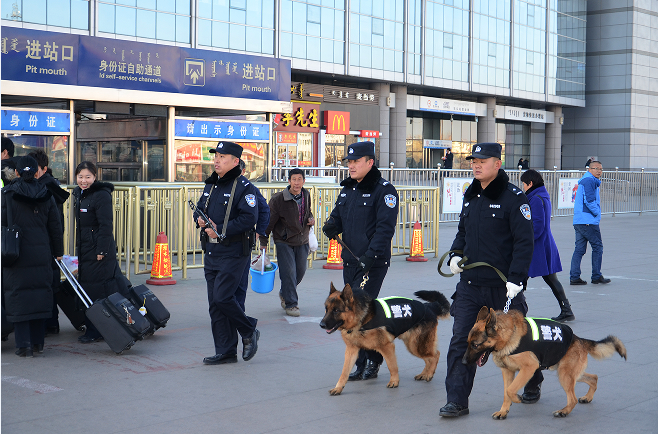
{"type": "Point", "coordinates": [142, 211]}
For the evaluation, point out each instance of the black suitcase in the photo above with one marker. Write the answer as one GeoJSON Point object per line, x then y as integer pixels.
{"type": "Point", "coordinates": [142, 296]}
{"type": "Point", "coordinates": [71, 305]}
{"type": "Point", "coordinates": [113, 332]}
{"type": "Point", "coordinates": [133, 321]}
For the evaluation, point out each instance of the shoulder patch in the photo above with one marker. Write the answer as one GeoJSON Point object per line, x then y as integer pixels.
{"type": "Point", "coordinates": [525, 210]}
{"type": "Point", "coordinates": [251, 200]}
{"type": "Point", "coordinates": [390, 200]}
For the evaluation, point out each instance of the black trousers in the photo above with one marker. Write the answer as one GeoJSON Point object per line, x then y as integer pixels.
{"type": "Point", "coordinates": [28, 333]}
{"type": "Point", "coordinates": [353, 275]}
{"type": "Point", "coordinates": [225, 295]}
{"type": "Point", "coordinates": [467, 301]}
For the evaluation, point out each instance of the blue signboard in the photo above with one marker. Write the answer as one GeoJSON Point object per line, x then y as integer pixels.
{"type": "Point", "coordinates": [58, 58]}
{"type": "Point", "coordinates": [36, 121]}
{"type": "Point", "coordinates": [234, 131]}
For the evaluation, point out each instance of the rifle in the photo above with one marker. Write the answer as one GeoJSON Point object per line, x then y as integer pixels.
{"type": "Point", "coordinates": [204, 217]}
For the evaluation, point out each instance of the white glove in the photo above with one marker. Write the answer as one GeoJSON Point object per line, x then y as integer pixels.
{"type": "Point", "coordinates": [513, 289]}
{"type": "Point", "coordinates": [454, 268]}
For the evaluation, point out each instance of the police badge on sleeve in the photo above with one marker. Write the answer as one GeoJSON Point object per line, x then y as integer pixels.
{"type": "Point", "coordinates": [525, 210]}
{"type": "Point", "coordinates": [390, 200]}
{"type": "Point", "coordinates": [251, 200]}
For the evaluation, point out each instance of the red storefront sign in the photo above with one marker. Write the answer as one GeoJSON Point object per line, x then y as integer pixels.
{"type": "Point", "coordinates": [369, 134]}
{"type": "Point", "coordinates": [286, 137]}
{"type": "Point", "coordinates": [305, 118]}
{"type": "Point", "coordinates": [337, 122]}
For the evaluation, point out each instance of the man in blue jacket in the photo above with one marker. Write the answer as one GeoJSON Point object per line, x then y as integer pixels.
{"type": "Point", "coordinates": [586, 219]}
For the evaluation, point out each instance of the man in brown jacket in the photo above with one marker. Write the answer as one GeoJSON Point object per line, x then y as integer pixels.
{"type": "Point", "coordinates": [290, 221]}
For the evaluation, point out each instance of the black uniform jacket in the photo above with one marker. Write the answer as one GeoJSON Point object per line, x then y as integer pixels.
{"type": "Point", "coordinates": [397, 314]}
{"type": "Point", "coordinates": [495, 226]}
{"type": "Point", "coordinates": [549, 340]}
{"type": "Point", "coordinates": [26, 284]}
{"type": "Point", "coordinates": [95, 236]}
{"type": "Point", "coordinates": [243, 215]}
{"type": "Point", "coordinates": [366, 213]}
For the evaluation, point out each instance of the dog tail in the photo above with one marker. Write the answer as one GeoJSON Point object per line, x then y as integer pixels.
{"type": "Point", "coordinates": [438, 303]}
{"type": "Point", "coordinates": [605, 347]}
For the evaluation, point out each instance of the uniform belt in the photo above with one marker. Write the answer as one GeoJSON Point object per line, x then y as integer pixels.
{"type": "Point", "coordinates": [233, 239]}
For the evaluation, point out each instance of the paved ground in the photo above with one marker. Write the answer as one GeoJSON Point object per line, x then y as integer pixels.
{"type": "Point", "coordinates": [161, 385]}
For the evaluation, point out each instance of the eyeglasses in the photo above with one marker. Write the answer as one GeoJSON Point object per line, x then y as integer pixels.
{"type": "Point", "coordinates": [596, 168]}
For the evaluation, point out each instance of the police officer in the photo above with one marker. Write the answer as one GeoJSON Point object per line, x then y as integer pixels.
{"type": "Point", "coordinates": [366, 212]}
{"type": "Point", "coordinates": [227, 255]}
{"type": "Point", "coordinates": [495, 227]}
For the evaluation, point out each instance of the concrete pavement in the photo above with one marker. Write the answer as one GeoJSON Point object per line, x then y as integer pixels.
{"type": "Point", "coordinates": [161, 386]}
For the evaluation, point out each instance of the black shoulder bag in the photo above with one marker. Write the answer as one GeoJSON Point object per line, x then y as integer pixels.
{"type": "Point", "coordinates": [10, 237]}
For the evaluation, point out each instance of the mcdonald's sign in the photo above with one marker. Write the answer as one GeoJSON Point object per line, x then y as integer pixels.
{"type": "Point", "coordinates": [337, 122]}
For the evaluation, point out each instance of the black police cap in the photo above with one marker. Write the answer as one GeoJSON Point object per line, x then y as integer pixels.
{"type": "Point", "coordinates": [360, 149]}
{"type": "Point", "coordinates": [228, 148]}
{"type": "Point", "coordinates": [485, 150]}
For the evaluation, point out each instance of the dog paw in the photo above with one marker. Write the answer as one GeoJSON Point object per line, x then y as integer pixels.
{"type": "Point", "coordinates": [421, 377]}
{"type": "Point", "coordinates": [392, 384]}
{"type": "Point", "coordinates": [335, 391]}
{"type": "Point", "coordinates": [560, 413]}
{"type": "Point", "coordinates": [500, 415]}
{"type": "Point", "coordinates": [584, 400]}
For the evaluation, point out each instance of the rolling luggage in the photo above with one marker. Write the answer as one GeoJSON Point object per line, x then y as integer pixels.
{"type": "Point", "coordinates": [142, 296]}
{"type": "Point", "coordinates": [71, 305]}
{"type": "Point", "coordinates": [130, 318]}
{"type": "Point", "coordinates": [113, 332]}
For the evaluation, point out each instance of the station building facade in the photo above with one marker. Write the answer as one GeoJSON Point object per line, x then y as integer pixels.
{"type": "Point", "coordinates": [157, 82]}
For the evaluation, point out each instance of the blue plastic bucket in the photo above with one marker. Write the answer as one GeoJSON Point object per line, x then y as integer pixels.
{"type": "Point", "coordinates": [263, 283]}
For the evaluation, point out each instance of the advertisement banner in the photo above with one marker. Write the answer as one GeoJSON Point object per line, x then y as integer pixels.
{"type": "Point", "coordinates": [567, 189]}
{"type": "Point", "coordinates": [57, 58]}
{"type": "Point", "coordinates": [453, 193]}
{"type": "Point", "coordinates": [233, 131]}
{"type": "Point", "coordinates": [337, 122]}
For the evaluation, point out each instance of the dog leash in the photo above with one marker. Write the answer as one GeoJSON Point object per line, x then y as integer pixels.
{"type": "Point", "coordinates": [473, 265]}
{"type": "Point", "coordinates": [365, 275]}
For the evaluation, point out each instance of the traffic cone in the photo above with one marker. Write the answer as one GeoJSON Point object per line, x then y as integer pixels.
{"type": "Point", "coordinates": [334, 261]}
{"type": "Point", "coordinates": [161, 269]}
{"type": "Point", "coordinates": [417, 254]}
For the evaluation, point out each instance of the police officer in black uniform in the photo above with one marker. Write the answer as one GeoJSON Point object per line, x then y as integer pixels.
{"type": "Point", "coordinates": [495, 227]}
{"type": "Point", "coordinates": [366, 212]}
{"type": "Point", "coordinates": [227, 255]}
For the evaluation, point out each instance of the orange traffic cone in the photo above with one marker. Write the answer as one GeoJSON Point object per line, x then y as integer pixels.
{"type": "Point", "coordinates": [334, 262]}
{"type": "Point", "coordinates": [417, 254]}
{"type": "Point", "coordinates": [161, 269]}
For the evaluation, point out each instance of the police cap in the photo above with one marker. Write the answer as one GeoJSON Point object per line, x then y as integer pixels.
{"type": "Point", "coordinates": [228, 148]}
{"type": "Point", "coordinates": [485, 150]}
{"type": "Point", "coordinates": [360, 149]}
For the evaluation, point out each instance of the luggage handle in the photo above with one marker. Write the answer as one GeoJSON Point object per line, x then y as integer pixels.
{"type": "Point", "coordinates": [74, 284]}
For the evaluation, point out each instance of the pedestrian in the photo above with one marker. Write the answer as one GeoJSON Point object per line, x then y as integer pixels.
{"type": "Point", "coordinates": [98, 270]}
{"type": "Point", "coordinates": [290, 222]}
{"type": "Point", "coordinates": [586, 219]}
{"type": "Point", "coordinates": [545, 256]}
{"type": "Point", "coordinates": [230, 202]}
{"type": "Point", "coordinates": [263, 221]}
{"type": "Point", "coordinates": [8, 162]}
{"type": "Point", "coordinates": [26, 286]}
{"type": "Point", "coordinates": [447, 159]}
{"type": "Point", "coordinates": [589, 161]}
{"type": "Point", "coordinates": [495, 227]}
{"type": "Point", "coordinates": [520, 165]}
{"type": "Point", "coordinates": [366, 213]}
{"type": "Point", "coordinates": [61, 196]}
{"type": "Point", "coordinates": [526, 164]}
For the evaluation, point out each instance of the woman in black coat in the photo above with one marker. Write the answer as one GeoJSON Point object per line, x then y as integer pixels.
{"type": "Point", "coordinates": [98, 269]}
{"type": "Point", "coordinates": [26, 286]}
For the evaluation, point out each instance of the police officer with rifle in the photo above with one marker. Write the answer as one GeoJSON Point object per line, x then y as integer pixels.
{"type": "Point", "coordinates": [229, 201]}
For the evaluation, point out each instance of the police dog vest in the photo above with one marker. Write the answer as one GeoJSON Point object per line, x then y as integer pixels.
{"type": "Point", "coordinates": [397, 314]}
{"type": "Point", "coordinates": [548, 340]}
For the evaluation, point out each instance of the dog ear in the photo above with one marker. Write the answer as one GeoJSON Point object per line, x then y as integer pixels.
{"type": "Point", "coordinates": [332, 288]}
{"type": "Point", "coordinates": [482, 315]}
{"type": "Point", "coordinates": [347, 293]}
{"type": "Point", "coordinates": [491, 320]}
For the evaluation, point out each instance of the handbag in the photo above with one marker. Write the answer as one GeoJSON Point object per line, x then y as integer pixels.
{"type": "Point", "coordinates": [10, 238]}
{"type": "Point", "coordinates": [312, 240]}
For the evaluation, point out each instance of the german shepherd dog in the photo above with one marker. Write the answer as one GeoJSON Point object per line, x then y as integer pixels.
{"type": "Point", "coordinates": [501, 334]}
{"type": "Point", "coordinates": [351, 311]}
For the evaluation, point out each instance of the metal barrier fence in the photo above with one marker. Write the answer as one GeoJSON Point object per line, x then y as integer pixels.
{"type": "Point", "coordinates": [142, 211]}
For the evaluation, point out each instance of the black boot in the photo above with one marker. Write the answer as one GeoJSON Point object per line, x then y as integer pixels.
{"type": "Point", "coordinates": [372, 368]}
{"type": "Point", "coordinates": [566, 314]}
{"type": "Point", "coordinates": [357, 375]}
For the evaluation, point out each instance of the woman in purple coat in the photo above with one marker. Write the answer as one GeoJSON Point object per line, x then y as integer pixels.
{"type": "Point", "coordinates": [545, 257]}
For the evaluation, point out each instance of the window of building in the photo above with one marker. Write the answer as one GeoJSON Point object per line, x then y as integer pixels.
{"type": "Point", "coordinates": [72, 14]}
{"type": "Point", "coordinates": [377, 35]}
{"type": "Point", "coordinates": [446, 39]}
